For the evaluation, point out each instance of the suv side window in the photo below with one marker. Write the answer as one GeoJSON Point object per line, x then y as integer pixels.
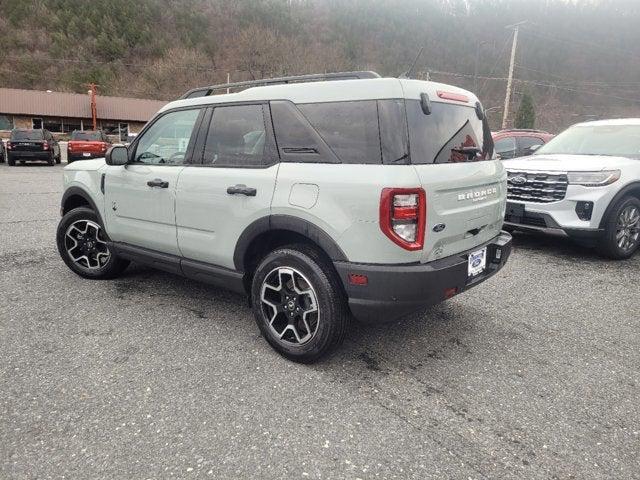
{"type": "Point", "coordinates": [237, 136]}
{"type": "Point", "coordinates": [506, 147]}
{"type": "Point", "coordinates": [166, 141]}
{"type": "Point", "coordinates": [350, 129]}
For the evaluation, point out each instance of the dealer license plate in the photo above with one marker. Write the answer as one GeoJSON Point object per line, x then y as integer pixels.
{"type": "Point", "coordinates": [86, 154]}
{"type": "Point", "coordinates": [477, 262]}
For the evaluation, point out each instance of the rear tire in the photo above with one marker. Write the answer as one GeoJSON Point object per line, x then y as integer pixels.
{"type": "Point", "coordinates": [81, 242]}
{"type": "Point", "coordinates": [299, 304]}
{"type": "Point", "coordinates": [58, 159]}
{"type": "Point", "coordinates": [621, 237]}
{"type": "Point", "coordinates": [52, 159]}
{"type": "Point", "coordinates": [11, 161]}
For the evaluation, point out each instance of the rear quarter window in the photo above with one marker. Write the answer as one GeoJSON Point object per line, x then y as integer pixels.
{"type": "Point", "coordinates": [350, 129]}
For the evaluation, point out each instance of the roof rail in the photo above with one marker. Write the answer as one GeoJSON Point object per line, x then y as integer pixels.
{"type": "Point", "coordinates": [318, 77]}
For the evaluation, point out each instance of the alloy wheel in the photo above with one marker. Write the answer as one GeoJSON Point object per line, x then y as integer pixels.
{"type": "Point", "coordinates": [290, 305]}
{"type": "Point", "coordinates": [85, 245]}
{"type": "Point", "coordinates": [628, 228]}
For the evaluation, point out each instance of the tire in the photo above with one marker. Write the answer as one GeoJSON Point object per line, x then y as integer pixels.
{"type": "Point", "coordinates": [58, 159]}
{"type": "Point", "coordinates": [90, 257]}
{"type": "Point", "coordinates": [52, 159]}
{"type": "Point", "coordinates": [11, 161]}
{"type": "Point", "coordinates": [621, 236]}
{"type": "Point", "coordinates": [274, 301]}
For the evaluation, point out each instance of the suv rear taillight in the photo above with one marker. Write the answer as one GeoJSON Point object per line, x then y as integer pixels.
{"type": "Point", "coordinates": [9, 146]}
{"type": "Point", "coordinates": [403, 215]}
{"type": "Point", "coordinates": [45, 146]}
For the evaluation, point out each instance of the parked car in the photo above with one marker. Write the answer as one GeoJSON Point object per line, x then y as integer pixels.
{"type": "Point", "coordinates": [584, 184]}
{"type": "Point", "coordinates": [87, 144]}
{"type": "Point", "coordinates": [3, 153]}
{"type": "Point", "coordinates": [32, 144]}
{"type": "Point", "coordinates": [515, 143]}
{"type": "Point", "coordinates": [356, 195]}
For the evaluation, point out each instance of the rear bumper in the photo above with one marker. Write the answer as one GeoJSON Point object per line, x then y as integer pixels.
{"type": "Point", "coordinates": [81, 156]}
{"type": "Point", "coordinates": [26, 155]}
{"type": "Point", "coordinates": [393, 291]}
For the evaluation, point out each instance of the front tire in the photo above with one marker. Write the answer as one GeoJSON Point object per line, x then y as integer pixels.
{"type": "Point", "coordinates": [299, 304]}
{"type": "Point", "coordinates": [622, 230]}
{"type": "Point", "coordinates": [82, 244]}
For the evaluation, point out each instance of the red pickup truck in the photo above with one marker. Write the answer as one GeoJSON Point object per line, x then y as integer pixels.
{"type": "Point", "coordinates": [87, 144]}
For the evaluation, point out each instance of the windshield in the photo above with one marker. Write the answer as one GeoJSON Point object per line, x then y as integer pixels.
{"type": "Point", "coordinates": [86, 136]}
{"type": "Point", "coordinates": [21, 135]}
{"type": "Point", "coordinates": [450, 134]}
{"type": "Point", "coordinates": [611, 140]}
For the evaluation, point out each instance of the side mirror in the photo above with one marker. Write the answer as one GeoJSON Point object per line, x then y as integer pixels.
{"type": "Point", "coordinates": [117, 155]}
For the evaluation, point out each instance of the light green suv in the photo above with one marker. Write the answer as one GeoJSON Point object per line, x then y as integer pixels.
{"type": "Point", "coordinates": [321, 197]}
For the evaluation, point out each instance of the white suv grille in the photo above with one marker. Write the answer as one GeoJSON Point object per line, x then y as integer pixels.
{"type": "Point", "coordinates": [540, 187]}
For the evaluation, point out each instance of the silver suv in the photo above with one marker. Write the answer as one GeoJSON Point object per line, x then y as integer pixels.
{"type": "Point", "coordinates": [321, 197]}
{"type": "Point", "coordinates": [584, 184]}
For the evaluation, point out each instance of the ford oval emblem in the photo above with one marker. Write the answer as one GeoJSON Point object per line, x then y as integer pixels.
{"type": "Point", "coordinates": [439, 227]}
{"type": "Point", "coordinates": [476, 262]}
{"type": "Point", "coordinates": [518, 180]}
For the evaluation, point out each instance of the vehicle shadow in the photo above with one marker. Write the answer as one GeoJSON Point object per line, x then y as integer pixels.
{"type": "Point", "coordinates": [441, 329]}
{"type": "Point", "coordinates": [557, 246]}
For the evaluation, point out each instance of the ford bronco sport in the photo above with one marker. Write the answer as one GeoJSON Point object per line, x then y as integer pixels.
{"type": "Point", "coordinates": [319, 196]}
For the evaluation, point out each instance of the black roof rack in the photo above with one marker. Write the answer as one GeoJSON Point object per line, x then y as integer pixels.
{"type": "Point", "coordinates": [319, 77]}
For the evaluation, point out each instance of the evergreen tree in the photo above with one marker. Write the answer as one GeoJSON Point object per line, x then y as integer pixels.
{"type": "Point", "coordinates": [526, 115]}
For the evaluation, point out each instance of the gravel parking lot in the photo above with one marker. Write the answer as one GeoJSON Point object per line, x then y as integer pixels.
{"type": "Point", "coordinates": [533, 374]}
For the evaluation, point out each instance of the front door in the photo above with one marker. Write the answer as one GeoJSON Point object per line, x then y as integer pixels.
{"type": "Point", "coordinates": [231, 188]}
{"type": "Point", "coordinates": [140, 196]}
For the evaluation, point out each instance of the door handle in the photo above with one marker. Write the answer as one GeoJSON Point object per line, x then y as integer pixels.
{"type": "Point", "coordinates": [242, 189]}
{"type": "Point", "coordinates": [158, 183]}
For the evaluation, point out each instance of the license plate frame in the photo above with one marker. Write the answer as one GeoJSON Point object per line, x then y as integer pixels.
{"type": "Point", "coordinates": [476, 262]}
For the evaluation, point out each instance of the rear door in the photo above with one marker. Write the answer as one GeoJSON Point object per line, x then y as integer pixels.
{"type": "Point", "coordinates": [232, 186]}
{"type": "Point", "coordinates": [465, 189]}
{"type": "Point", "coordinates": [140, 197]}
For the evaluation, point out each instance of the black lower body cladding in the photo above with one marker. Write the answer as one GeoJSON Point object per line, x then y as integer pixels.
{"type": "Point", "coordinates": [393, 291]}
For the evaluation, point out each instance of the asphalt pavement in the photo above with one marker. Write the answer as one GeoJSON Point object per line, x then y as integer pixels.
{"type": "Point", "coordinates": [533, 374]}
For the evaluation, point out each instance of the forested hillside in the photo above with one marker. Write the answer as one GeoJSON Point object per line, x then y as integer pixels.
{"type": "Point", "coordinates": [578, 59]}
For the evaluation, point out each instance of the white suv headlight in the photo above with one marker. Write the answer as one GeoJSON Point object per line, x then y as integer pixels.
{"type": "Point", "coordinates": [593, 179]}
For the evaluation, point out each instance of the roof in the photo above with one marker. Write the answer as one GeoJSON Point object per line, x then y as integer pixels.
{"type": "Point", "coordinates": [15, 101]}
{"type": "Point", "coordinates": [334, 91]}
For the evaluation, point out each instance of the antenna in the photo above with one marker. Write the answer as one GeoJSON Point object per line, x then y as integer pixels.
{"type": "Point", "coordinates": [409, 72]}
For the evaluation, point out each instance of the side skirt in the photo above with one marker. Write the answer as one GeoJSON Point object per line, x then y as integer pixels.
{"type": "Point", "coordinates": [193, 269]}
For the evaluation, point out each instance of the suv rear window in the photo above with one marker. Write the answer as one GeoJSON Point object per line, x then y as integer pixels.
{"type": "Point", "coordinates": [450, 134]}
{"type": "Point", "coordinates": [87, 136]}
{"type": "Point", "coordinates": [21, 135]}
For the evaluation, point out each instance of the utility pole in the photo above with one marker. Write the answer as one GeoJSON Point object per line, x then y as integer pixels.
{"type": "Point", "coordinates": [507, 98]}
{"type": "Point", "coordinates": [94, 106]}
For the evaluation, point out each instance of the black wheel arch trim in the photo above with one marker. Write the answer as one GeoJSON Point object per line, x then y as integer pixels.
{"type": "Point", "coordinates": [286, 222]}
{"type": "Point", "coordinates": [622, 193]}
{"type": "Point", "coordinates": [80, 192]}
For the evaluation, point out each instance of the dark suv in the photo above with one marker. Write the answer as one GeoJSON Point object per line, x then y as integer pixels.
{"type": "Point", "coordinates": [515, 143]}
{"type": "Point", "coordinates": [32, 144]}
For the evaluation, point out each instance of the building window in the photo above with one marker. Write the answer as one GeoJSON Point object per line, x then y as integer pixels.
{"type": "Point", "coordinates": [124, 132]}
{"type": "Point", "coordinates": [36, 123]}
{"type": "Point", "coordinates": [6, 122]}
{"type": "Point", "coordinates": [70, 124]}
{"type": "Point", "coordinates": [53, 125]}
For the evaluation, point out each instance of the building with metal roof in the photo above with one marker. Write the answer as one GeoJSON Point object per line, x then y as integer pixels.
{"type": "Point", "coordinates": [61, 112]}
